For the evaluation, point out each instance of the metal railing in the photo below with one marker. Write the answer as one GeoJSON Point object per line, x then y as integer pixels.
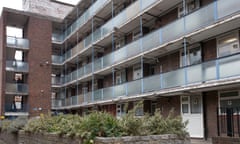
{"type": "Point", "coordinates": [228, 121]}
{"type": "Point", "coordinates": [16, 107]}
{"type": "Point", "coordinates": [15, 42]}
{"type": "Point", "coordinates": [208, 15]}
{"type": "Point", "coordinates": [18, 88]}
{"type": "Point", "coordinates": [17, 66]}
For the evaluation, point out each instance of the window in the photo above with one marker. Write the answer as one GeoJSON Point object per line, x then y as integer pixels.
{"type": "Point", "coordinates": [191, 5]}
{"type": "Point", "coordinates": [138, 109]}
{"type": "Point", "coordinates": [191, 104]}
{"type": "Point", "coordinates": [137, 72]}
{"type": "Point", "coordinates": [120, 76]}
{"type": "Point", "coordinates": [229, 99]}
{"type": "Point", "coordinates": [121, 110]}
{"type": "Point", "coordinates": [228, 44]}
{"type": "Point", "coordinates": [194, 56]}
{"type": "Point", "coordinates": [119, 43]}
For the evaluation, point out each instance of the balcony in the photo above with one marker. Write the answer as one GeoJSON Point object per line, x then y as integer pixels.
{"type": "Point", "coordinates": [57, 81]}
{"type": "Point", "coordinates": [17, 66]}
{"type": "Point", "coordinates": [21, 89]}
{"type": "Point", "coordinates": [214, 71]}
{"type": "Point", "coordinates": [203, 17]}
{"type": "Point", "coordinates": [18, 43]}
{"type": "Point", "coordinates": [10, 108]}
{"type": "Point", "coordinates": [90, 12]}
{"type": "Point", "coordinates": [105, 30]}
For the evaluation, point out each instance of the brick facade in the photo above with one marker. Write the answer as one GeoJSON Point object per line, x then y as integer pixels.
{"type": "Point", "coordinates": [2, 61]}
{"type": "Point", "coordinates": [39, 32]}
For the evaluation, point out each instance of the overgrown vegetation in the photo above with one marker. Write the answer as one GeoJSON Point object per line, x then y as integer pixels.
{"type": "Point", "coordinates": [100, 124]}
{"type": "Point", "coordinates": [13, 126]}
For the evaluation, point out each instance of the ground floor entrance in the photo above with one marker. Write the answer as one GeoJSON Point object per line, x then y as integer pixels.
{"type": "Point", "coordinates": [192, 111]}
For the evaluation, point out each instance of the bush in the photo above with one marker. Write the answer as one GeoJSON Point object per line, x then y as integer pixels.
{"type": "Point", "coordinates": [103, 124]}
{"type": "Point", "coordinates": [13, 126]}
{"type": "Point", "coordinates": [171, 125]}
{"type": "Point", "coordinates": [100, 124]}
{"type": "Point", "coordinates": [62, 124]}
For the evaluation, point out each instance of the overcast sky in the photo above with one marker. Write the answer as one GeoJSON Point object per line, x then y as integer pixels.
{"type": "Point", "coordinates": [17, 4]}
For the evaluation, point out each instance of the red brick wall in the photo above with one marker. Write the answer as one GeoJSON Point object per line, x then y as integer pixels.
{"type": "Point", "coordinates": [166, 104]}
{"type": "Point", "coordinates": [209, 50]}
{"type": "Point", "coordinates": [2, 62]}
{"type": "Point", "coordinates": [205, 2]}
{"type": "Point", "coordinates": [39, 33]}
{"type": "Point", "coordinates": [169, 62]}
{"type": "Point", "coordinates": [211, 104]}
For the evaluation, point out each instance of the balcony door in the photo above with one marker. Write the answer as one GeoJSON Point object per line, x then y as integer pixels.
{"type": "Point", "coordinates": [191, 110]}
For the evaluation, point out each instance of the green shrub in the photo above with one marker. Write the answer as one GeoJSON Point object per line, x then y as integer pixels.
{"type": "Point", "coordinates": [17, 124]}
{"type": "Point", "coordinates": [4, 124]}
{"type": "Point", "coordinates": [13, 126]}
{"type": "Point", "coordinates": [99, 124]}
{"type": "Point", "coordinates": [133, 125]}
{"type": "Point", "coordinates": [157, 124]}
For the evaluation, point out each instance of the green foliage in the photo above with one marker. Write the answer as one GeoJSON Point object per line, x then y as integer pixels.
{"type": "Point", "coordinates": [5, 124]}
{"type": "Point", "coordinates": [103, 124]}
{"type": "Point", "coordinates": [132, 125]}
{"type": "Point", "coordinates": [99, 124]}
{"type": "Point", "coordinates": [157, 124]}
{"type": "Point", "coordinates": [62, 124]}
{"type": "Point", "coordinates": [17, 124]}
{"type": "Point", "coordinates": [13, 126]}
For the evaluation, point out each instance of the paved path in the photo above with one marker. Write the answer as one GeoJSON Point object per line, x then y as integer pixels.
{"type": "Point", "coordinates": [1, 142]}
{"type": "Point", "coordinates": [197, 141]}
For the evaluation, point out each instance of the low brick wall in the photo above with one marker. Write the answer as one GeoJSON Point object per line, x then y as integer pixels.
{"type": "Point", "coordinates": [225, 140]}
{"type": "Point", "coordinates": [9, 138]}
{"type": "Point", "coordinates": [151, 139]}
{"type": "Point", "coordinates": [26, 138]}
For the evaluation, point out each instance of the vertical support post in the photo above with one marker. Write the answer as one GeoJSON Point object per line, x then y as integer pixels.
{"type": "Point", "coordinates": [142, 67]}
{"type": "Point", "coordinates": [238, 126]}
{"type": "Point", "coordinates": [218, 129]}
{"type": "Point", "coordinates": [217, 69]}
{"type": "Point", "coordinates": [185, 61]}
{"type": "Point", "coordinates": [113, 82]}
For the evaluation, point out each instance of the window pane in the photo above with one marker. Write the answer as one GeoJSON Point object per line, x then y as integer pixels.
{"type": "Point", "coordinates": [184, 108]}
{"type": "Point", "coordinates": [195, 104]}
{"type": "Point", "coordinates": [195, 55]}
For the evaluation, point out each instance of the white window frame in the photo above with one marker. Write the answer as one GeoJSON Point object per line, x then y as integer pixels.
{"type": "Point", "coordinates": [188, 10]}
{"type": "Point", "coordinates": [188, 51]}
{"type": "Point", "coordinates": [227, 98]}
{"type": "Point", "coordinates": [137, 68]}
{"type": "Point", "coordinates": [220, 38]}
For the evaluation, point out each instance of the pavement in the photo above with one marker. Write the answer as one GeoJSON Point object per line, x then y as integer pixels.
{"type": "Point", "coordinates": [1, 142]}
{"type": "Point", "coordinates": [200, 141]}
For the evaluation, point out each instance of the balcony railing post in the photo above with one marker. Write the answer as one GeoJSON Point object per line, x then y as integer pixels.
{"type": "Point", "coordinates": [217, 69]}
{"type": "Point", "coordinates": [218, 129]}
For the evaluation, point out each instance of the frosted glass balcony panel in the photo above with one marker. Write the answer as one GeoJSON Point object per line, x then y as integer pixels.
{"type": "Point", "coordinates": [228, 7]}
{"type": "Point", "coordinates": [173, 30]}
{"type": "Point", "coordinates": [229, 66]}
{"type": "Point", "coordinates": [151, 40]}
{"type": "Point", "coordinates": [120, 90]}
{"type": "Point", "coordinates": [107, 93]}
{"type": "Point", "coordinates": [17, 42]}
{"type": "Point", "coordinates": [17, 66]}
{"type": "Point", "coordinates": [134, 87]}
{"type": "Point", "coordinates": [173, 78]}
{"type": "Point", "coordinates": [98, 95]}
{"type": "Point", "coordinates": [151, 83]}
{"type": "Point", "coordinates": [133, 48]}
{"type": "Point", "coordinates": [200, 18]}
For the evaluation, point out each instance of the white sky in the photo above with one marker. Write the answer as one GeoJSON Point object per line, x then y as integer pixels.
{"type": "Point", "coordinates": [17, 4]}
